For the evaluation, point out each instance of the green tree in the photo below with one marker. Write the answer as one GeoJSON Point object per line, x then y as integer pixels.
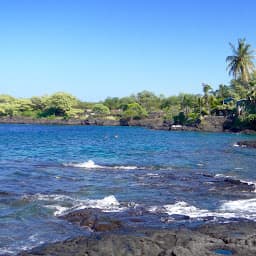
{"type": "Point", "coordinates": [171, 111]}
{"type": "Point", "coordinates": [170, 101]}
{"type": "Point", "coordinates": [112, 103]}
{"type": "Point", "coordinates": [223, 92]}
{"type": "Point", "coordinates": [24, 107]}
{"type": "Point", "coordinates": [251, 94]}
{"type": "Point", "coordinates": [125, 101]}
{"type": "Point", "coordinates": [206, 98]}
{"type": "Point", "coordinates": [134, 111]}
{"type": "Point", "coordinates": [59, 104]}
{"type": "Point", "coordinates": [240, 64]}
{"type": "Point", "coordinates": [206, 89]}
{"type": "Point", "coordinates": [39, 103]}
{"type": "Point", "coordinates": [4, 98]}
{"type": "Point", "coordinates": [84, 105]}
{"type": "Point", "coordinates": [100, 109]}
{"type": "Point", "coordinates": [251, 97]}
{"type": "Point", "coordinates": [239, 89]}
{"type": "Point", "coordinates": [148, 100]}
{"type": "Point", "coordinates": [188, 103]}
{"type": "Point", "coordinates": [180, 118]}
{"type": "Point", "coordinates": [8, 106]}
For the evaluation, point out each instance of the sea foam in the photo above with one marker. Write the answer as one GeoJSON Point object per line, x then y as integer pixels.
{"type": "Point", "coordinates": [245, 208]}
{"type": "Point", "coordinates": [229, 209]}
{"type": "Point", "coordinates": [181, 208]}
{"type": "Point", "coordinates": [90, 164]}
{"type": "Point", "coordinates": [62, 204]}
{"type": "Point", "coordinates": [87, 165]}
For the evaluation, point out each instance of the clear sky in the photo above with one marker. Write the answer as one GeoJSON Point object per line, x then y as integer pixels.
{"type": "Point", "coordinates": [99, 48]}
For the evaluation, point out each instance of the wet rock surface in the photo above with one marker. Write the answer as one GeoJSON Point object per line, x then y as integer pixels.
{"type": "Point", "coordinates": [117, 234]}
{"type": "Point", "coordinates": [214, 239]}
{"type": "Point", "coordinates": [249, 143]}
{"type": "Point", "coordinates": [98, 221]}
{"type": "Point", "coordinates": [94, 219]}
{"type": "Point", "coordinates": [239, 238]}
{"type": "Point", "coordinates": [234, 185]}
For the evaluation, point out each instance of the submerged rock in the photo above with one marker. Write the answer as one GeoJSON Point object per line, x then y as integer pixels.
{"type": "Point", "coordinates": [249, 143]}
{"type": "Point", "coordinates": [238, 185]}
{"type": "Point", "coordinates": [5, 193]}
{"type": "Point", "coordinates": [227, 184]}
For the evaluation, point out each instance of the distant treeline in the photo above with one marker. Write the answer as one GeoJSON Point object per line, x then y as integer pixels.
{"type": "Point", "coordinates": [180, 109]}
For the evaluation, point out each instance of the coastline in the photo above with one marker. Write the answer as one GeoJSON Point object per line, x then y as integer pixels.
{"type": "Point", "coordinates": [236, 238]}
{"type": "Point", "coordinates": [209, 124]}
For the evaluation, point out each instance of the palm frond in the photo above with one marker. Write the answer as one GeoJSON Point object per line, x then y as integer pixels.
{"type": "Point", "coordinates": [240, 64]}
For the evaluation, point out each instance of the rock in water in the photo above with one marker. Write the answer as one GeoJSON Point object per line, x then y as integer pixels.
{"type": "Point", "coordinates": [247, 143]}
{"type": "Point", "coordinates": [94, 219]}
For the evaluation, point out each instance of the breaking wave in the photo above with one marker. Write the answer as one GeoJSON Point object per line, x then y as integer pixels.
{"type": "Point", "coordinates": [62, 204]}
{"type": "Point", "coordinates": [90, 164]}
{"type": "Point", "coordinates": [245, 209]}
{"type": "Point", "coordinates": [241, 208]}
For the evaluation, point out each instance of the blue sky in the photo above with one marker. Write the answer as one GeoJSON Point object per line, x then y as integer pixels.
{"type": "Point", "coordinates": [99, 48]}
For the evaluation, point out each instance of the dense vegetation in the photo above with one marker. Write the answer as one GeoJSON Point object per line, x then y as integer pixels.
{"type": "Point", "coordinates": [237, 99]}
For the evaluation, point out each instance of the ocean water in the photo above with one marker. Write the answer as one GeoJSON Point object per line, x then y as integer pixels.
{"type": "Point", "coordinates": [177, 177]}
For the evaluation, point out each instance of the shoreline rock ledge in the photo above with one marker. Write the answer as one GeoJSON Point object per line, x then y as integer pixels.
{"type": "Point", "coordinates": [238, 239]}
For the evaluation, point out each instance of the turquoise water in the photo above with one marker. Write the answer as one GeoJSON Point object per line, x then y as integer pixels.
{"type": "Point", "coordinates": [47, 171]}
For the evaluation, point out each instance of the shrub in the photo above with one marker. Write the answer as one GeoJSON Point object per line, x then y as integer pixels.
{"type": "Point", "coordinates": [100, 109]}
{"type": "Point", "coordinates": [134, 111]}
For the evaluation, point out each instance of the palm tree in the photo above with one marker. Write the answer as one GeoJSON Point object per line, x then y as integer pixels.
{"type": "Point", "coordinates": [206, 89]}
{"type": "Point", "coordinates": [240, 64]}
{"type": "Point", "coordinates": [251, 94]}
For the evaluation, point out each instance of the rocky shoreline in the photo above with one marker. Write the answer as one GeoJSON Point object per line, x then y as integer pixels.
{"type": "Point", "coordinates": [237, 239]}
{"type": "Point", "coordinates": [208, 124]}
{"type": "Point", "coordinates": [131, 233]}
